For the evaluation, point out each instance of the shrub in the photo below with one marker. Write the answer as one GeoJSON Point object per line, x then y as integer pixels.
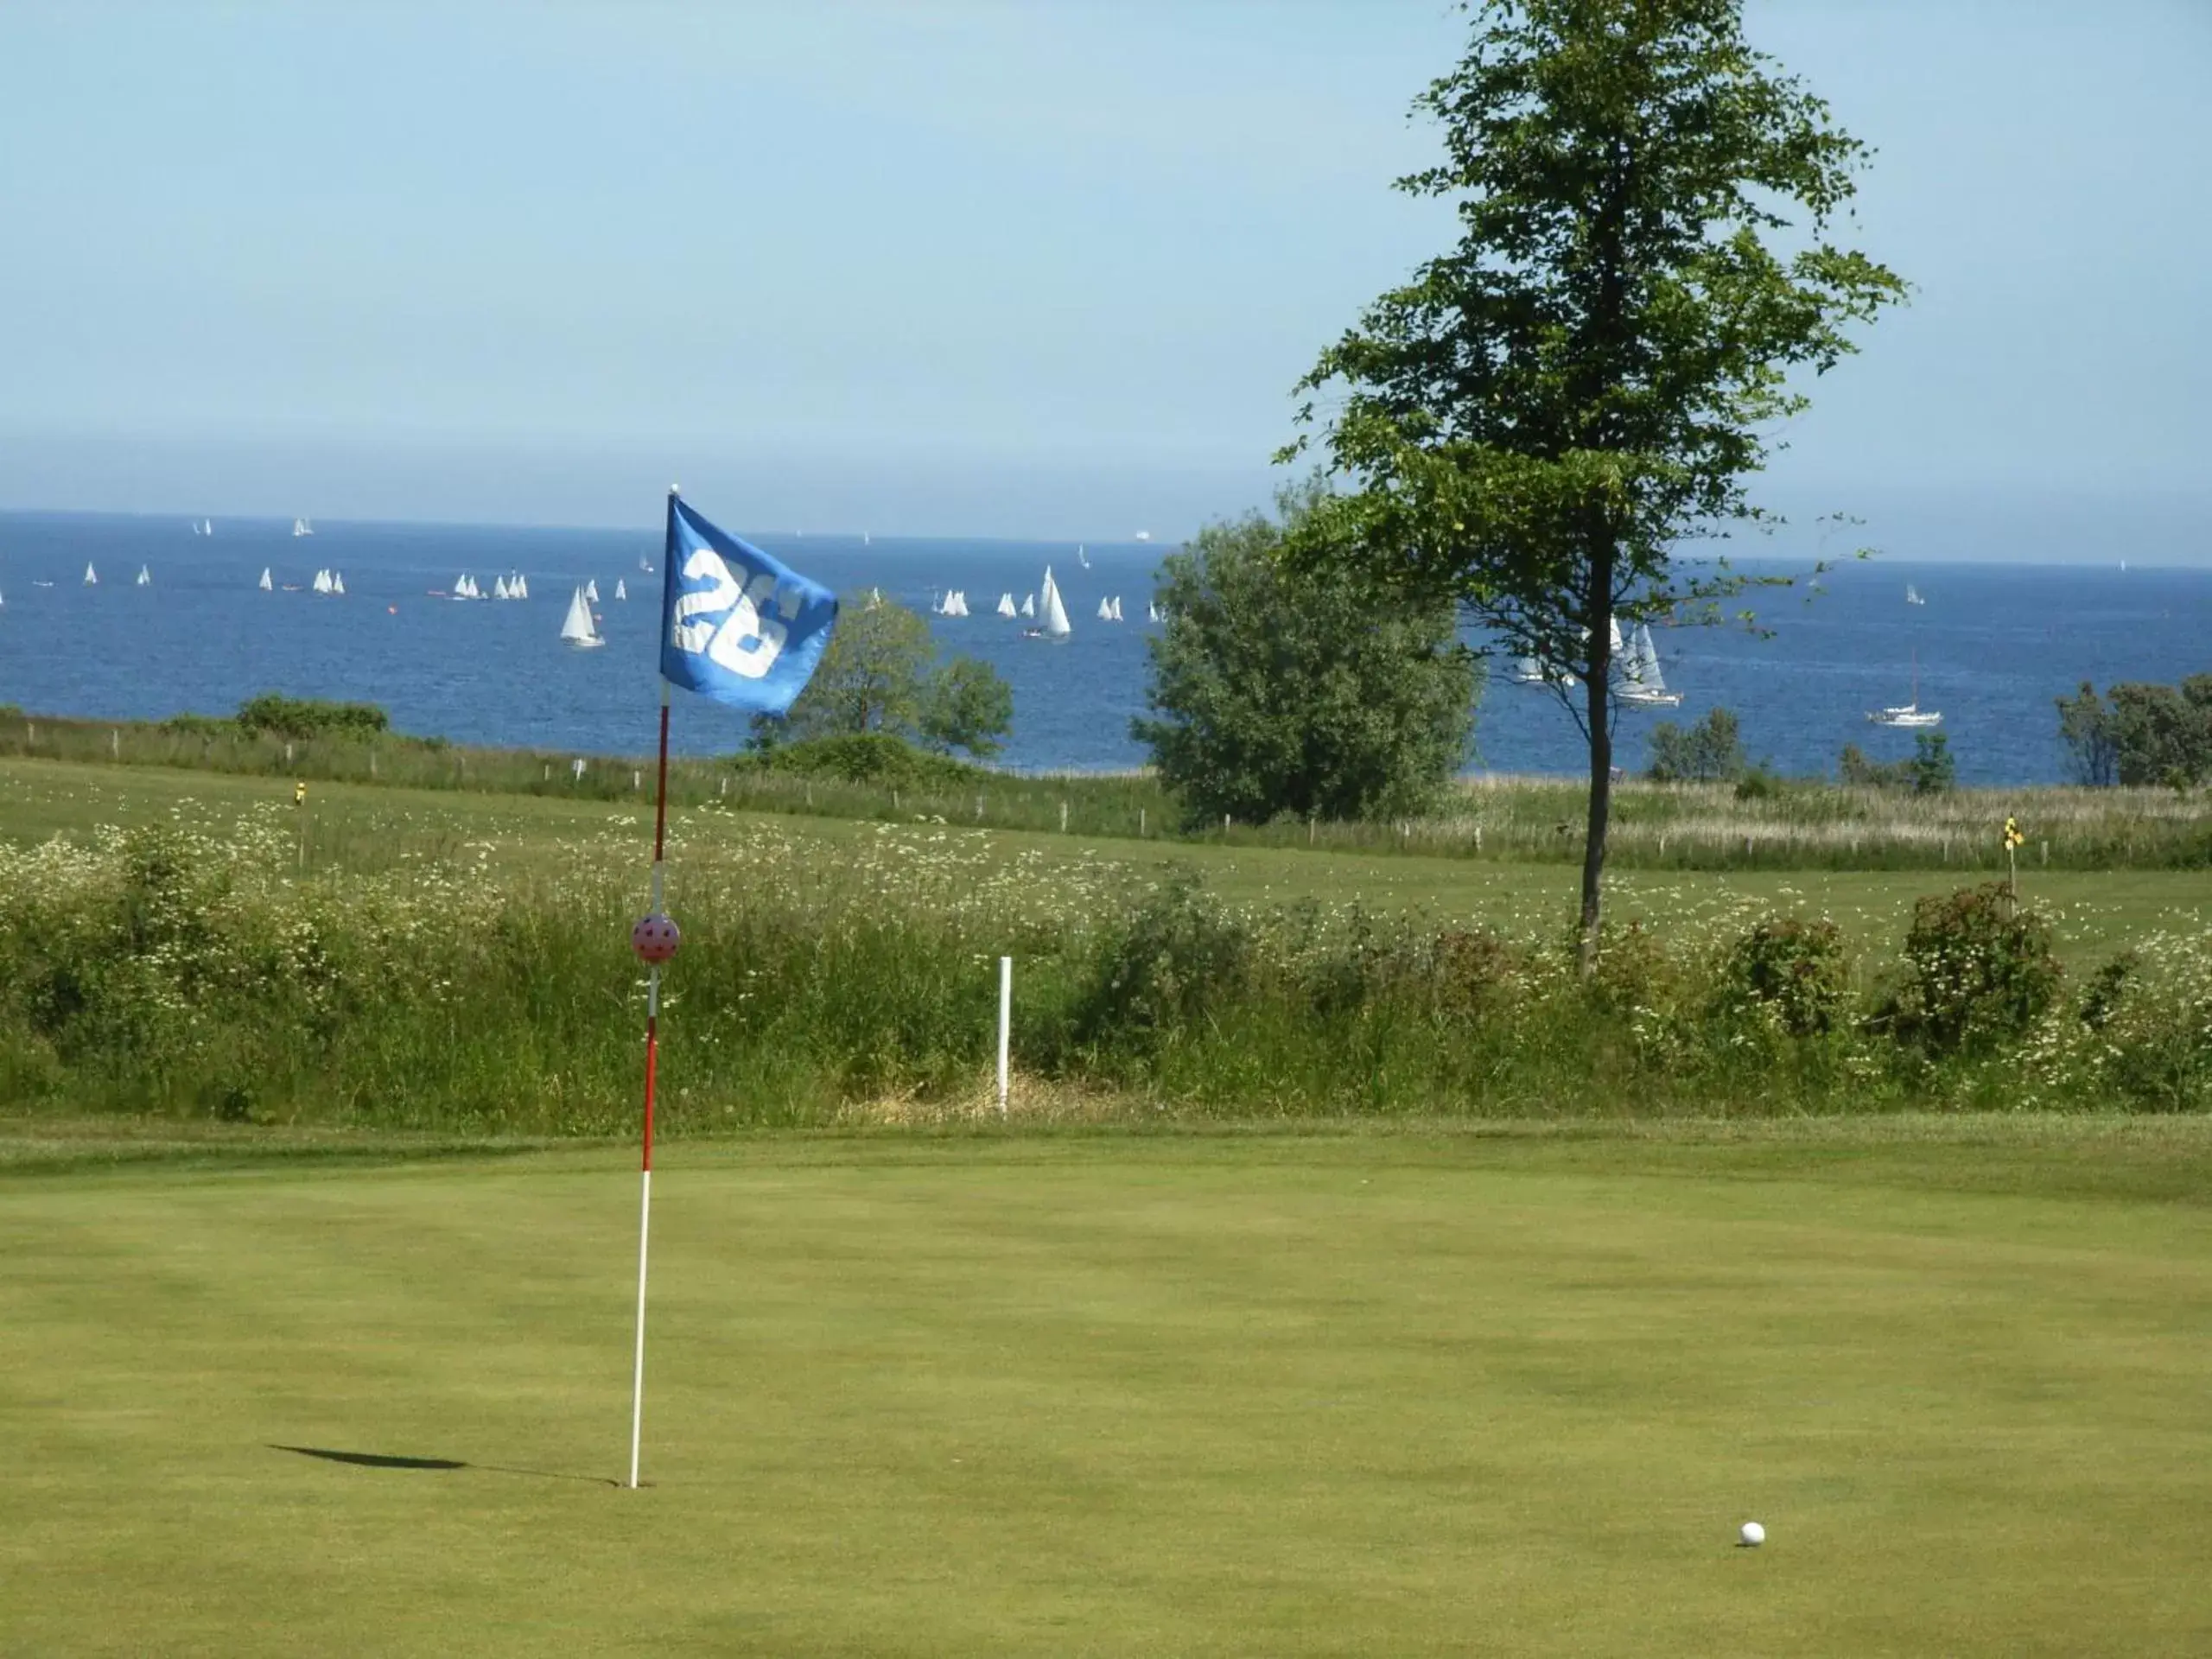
{"type": "Point", "coordinates": [1932, 770]}
{"type": "Point", "coordinates": [1710, 751]}
{"type": "Point", "coordinates": [2151, 1011]}
{"type": "Point", "coordinates": [302, 717]}
{"type": "Point", "coordinates": [1180, 953]}
{"type": "Point", "coordinates": [1978, 970]}
{"type": "Point", "coordinates": [1793, 967]}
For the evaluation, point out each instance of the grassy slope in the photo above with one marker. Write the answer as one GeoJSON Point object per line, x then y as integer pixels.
{"type": "Point", "coordinates": [368, 826]}
{"type": "Point", "coordinates": [1371, 1393]}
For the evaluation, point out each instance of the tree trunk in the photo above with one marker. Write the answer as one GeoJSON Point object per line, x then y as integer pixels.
{"type": "Point", "coordinates": [1598, 687]}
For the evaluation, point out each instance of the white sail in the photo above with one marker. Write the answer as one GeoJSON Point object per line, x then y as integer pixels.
{"type": "Point", "coordinates": [322, 581]}
{"type": "Point", "coordinates": [960, 601]}
{"type": "Point", "coordinates": [1151, 612]}
{"type": "Point", "coordinates": [1613, 624]}
{"type": "Point", "coordinates": [621, 592]}
{"type": "Point", "coordinates": [1029, 604]}
{"type": "Point", "coordinates": [1079, 556]}
{"type": "Point", "coordinates": [576, 627]}
{"type": "Point", "coordinates": [206, 526]}
{"type": "Point", "coordinates": [302, 527]}
{"type": "Point", "coordinates": [1117, 608]}
{"type": "Point", "coordinates": [645, 564]}
{"type": "Point", "coordinates": [92, 577]}
{"type": "Point", "coordinates": [1105, 611]}
{"type": "Point", "coordinates": [499, 587]}
{"type": "Point", "coordinates": [591, 593]}
{"type": "Point", "coordinates": [1641, 682]}
{"type": "Point", "coordinates": [1005, 604]}
{"type": "Point", "coordinates": [1054, 614]}
{"type": "Point", "coordinates": [338, 582]}
{"type": "Point", "coordinates": [520, 586]}
{"type": "Point", "coordinates": [145, 576]}
{"type": "Point", "coordinates": [265, 584]}
{"type": "Point", "coordinates": [1912, 596]}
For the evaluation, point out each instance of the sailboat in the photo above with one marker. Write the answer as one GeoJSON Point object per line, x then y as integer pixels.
{"type": "Point", "coordinates": [591, 593]}
{"type": "Point", "coordinates": [145, 577]}
{"type": "Point", "coordinates": [1527, 670]}
{"type": "Point", "coordinates": [265, 584]}
{"type": "Point", "coordinates": [1151, 612]}
{"type": "Point", "coordinates": [1117, 608]}
{"type": "Point", "coordinates": [1053, 615]}
{"type": "Point", "coordinates": [645, 564]}
{"type": "Point", "coordinates": [621, 592]}
{"type": "Point", "coordinates": [1105, 611]}
{"type": "Point", "coordinates": [338, 583]}
{"type": "Point", "coordinates": [1029, 605]}
{"type": "Point", "coordinates": [577, 627]}
{"type": "Point", "coordinates": [1005, 604]}
{"type": "Point", "coordinates": [302, 527]}
{"type": "Point", "coordinates": [518, 587]}
{"type": "Point", "coordinates": [499, 588]}
{"type": "Point", "coordinates": [206, 526]}
{"type": "Point", "coordinates": [1079, 556]}
{"type": "Point", "coordinates": [1642, 684]}
{"type": "Point", "coordinates": [321, 584]}
{"type": "Point", "coordinates": [1910, 716]}
{"type": "Point", "coordinates": [1912, 596]}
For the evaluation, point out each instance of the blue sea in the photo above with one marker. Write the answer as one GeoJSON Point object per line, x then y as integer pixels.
{"type": "Point", "coordinates": [1993, 644]}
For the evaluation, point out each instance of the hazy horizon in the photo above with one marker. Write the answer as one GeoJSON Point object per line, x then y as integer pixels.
{"type": "Point", "coordinates": [981, 269]}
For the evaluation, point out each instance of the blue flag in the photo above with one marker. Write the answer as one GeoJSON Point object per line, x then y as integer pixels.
{"type": "Point", "coordinates": [735, 625]}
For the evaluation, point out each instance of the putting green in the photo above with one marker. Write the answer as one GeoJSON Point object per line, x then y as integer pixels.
{"type": "Point", "coordinates": [1382, 1393]}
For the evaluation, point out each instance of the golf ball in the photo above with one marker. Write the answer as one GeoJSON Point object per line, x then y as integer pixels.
{"type": "Point", "coordinates": [1753, 1534]}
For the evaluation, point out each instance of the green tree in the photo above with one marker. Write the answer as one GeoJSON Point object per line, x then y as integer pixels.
{"type": "Point", "coordinates": [1858, 770]}
{"type": "Point", "coordinates": [879, 673]}
{"type": "Point", "coordinates": [1931, 770]}
{"type": "Point", "coordinates": [1710, 751]}
{"type": "Point", "coordinates": [2163, 734]}
{"type": "Point", "coordinates": [1542, 414]}
{"type": "Point", "coordinates": [1301, 687]}
{"type": "Point", "coordinates": [968, 706]}
{"type": "Point", "coordinates": [2085, 726]}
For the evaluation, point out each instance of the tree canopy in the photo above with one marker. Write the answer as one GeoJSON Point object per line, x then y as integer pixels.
{"type": "Point", "coordinates": [1302, 687]}
{"type": "Point", "coordinates": [2140, 733]}
{"type": "Point", "coordinates": [879, 673]}
{"type": "Point", "coordinates": [1537, 420]}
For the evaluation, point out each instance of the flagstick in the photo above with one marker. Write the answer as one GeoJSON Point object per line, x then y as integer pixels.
{"type": "Point", "coordinates": [653, 1056]}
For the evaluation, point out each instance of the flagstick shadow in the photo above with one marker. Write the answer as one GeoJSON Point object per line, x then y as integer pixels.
{"type": "Point", "coordinates": [382, 1460]}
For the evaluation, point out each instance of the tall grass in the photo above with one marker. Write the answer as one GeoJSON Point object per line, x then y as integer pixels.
{"type": "Point", "coordinates": [1653, 826]}
{"type": "Point", "coordinates": [192, 974]}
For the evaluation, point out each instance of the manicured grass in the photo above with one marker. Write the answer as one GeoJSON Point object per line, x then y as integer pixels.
{"type": "Point", "coordinates": [1364, 1392]}
{"type": "Point", "coordinates": [365, 827]}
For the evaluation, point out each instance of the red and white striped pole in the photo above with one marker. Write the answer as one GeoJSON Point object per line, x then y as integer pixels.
{"type": "Point", "coordinates": [654, 938]}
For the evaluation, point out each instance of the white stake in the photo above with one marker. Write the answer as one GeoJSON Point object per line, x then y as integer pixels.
{"type": "Point", "coordinates": [1005, 1021]}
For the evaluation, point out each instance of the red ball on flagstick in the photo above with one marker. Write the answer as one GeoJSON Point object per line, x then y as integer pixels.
{"type": "Point", "coordinates": [655, 938]}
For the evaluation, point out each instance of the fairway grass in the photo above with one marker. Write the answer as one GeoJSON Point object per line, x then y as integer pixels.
{"type": "Point", "coordinates": [1331, 1392]}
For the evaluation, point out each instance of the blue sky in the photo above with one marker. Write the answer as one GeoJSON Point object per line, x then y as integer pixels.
{"type": "Point", "coordinates": [952, 267]}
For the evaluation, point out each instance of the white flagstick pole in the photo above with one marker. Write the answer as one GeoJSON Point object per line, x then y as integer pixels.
{"type": "Point", "coordinates": [653, 1056]}
{"type": "Point", "coordinates": [655, 939]}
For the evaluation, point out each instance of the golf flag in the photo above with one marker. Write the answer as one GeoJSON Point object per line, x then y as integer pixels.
{"type": "Point", "coordinates": [737, 624]}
